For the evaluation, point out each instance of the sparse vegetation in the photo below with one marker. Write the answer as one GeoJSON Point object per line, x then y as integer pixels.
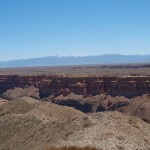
{"type": "Point", "coordinates": [87, 122]}
{"type": "Point", "coordinates": [120, 137]}
{"type": "Point", "coordinates": [120, 147]}
{"type": "Point", "coordinates": [72, 148]}
{"type": "Point", "coordinates": [133, 123]}
{"type": "Point", "coordinates": [147, 141]}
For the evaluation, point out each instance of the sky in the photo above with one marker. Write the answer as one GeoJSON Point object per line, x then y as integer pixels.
{"type": "Point", "coordinates": [39, 28]}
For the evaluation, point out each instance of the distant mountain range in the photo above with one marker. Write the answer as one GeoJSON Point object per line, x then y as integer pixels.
{"type": "Point", "coordinates": [77, 60]}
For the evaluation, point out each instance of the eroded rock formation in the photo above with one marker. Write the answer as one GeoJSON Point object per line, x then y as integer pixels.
{"type": "Point", "coordinates": [87, 94]}
{"type": "Point", "coordinates": [86, 86]}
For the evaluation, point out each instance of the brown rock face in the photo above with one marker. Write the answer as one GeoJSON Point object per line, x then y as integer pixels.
{"type": "Point", "coordinates": [55, 85]}
{"type": "Point", "coordinates": [139, 107]}
{"type": "Point", "coordinates": [87, 94]}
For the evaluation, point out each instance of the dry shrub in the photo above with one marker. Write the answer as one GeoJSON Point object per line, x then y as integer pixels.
{"type": "Point", "coordinates": [72, 148]}
{"type": "Point", "coordinates": [147, 141]}
{"type": "Point", "coordinates": [133, 123]}
{"type": "Point", "coordinates": [87, 122]}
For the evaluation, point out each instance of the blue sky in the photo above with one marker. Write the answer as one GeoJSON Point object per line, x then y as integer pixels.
{"type": "Point", "coordinates": [37, 28]}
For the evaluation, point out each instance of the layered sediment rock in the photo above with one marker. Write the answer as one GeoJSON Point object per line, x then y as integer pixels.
{"type": "Point", "coordinates": [55, 85]}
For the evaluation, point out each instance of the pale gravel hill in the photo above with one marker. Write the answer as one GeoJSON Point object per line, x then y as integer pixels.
{"type": "Point", "coordinates": [27, 124]}
{"type": "Point", "coordinates": [113, 131]}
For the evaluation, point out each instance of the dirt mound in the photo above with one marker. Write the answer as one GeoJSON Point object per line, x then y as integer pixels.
{"type": "Point", "coordinates": [139, 107]}
{"type": "Point", "coordinates": [72, 148]}
{"type": "Point", "coordinates": [26, 123]}
{"type": "Point", "coordinates": [20, 92]}
{"type": "Point", "coordinates": [18, 106]}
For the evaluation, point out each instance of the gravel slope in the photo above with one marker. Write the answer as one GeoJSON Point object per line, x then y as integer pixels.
{"type": "Point", "coordinates": [28, 124]}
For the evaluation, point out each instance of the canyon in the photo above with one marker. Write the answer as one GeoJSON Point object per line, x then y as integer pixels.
{"type": "Point", "coordinates": [86, 93]}
{"type": "Point", "coordinates": [46, 107]}
{"type": "Point", "coordinates": [128, 86]}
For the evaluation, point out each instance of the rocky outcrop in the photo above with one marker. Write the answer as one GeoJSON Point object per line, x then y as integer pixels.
{"type": "Point", "coordinates": [86, 86]}
{"type": "Point", "coordinates": [87, 94]}
{"type": "Point", "coordinates": [139, 107]}
{"type": "Point", "coordinates": [96, 103]}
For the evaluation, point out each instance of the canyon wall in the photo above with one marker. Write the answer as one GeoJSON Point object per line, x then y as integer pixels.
{"type": "Point", "coordinates": [55, 85]}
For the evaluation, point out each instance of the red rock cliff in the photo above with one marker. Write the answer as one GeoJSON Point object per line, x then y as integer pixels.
{"type": "Point", "coordinates": [55, 85]}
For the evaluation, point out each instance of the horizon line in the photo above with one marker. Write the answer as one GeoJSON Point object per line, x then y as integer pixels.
{"type": "Point", "coordinates": [17, 59]}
